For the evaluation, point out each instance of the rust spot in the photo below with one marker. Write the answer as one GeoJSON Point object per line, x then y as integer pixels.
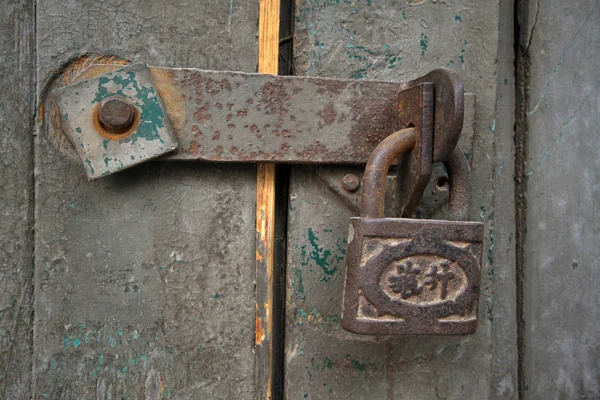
{"type": "Point", "coordinates": [229, 116]}
{"type": "Point", "coordinates": [194, 149]}
{"type": "Point", "coordinates": [330, 86]}
{"type": "Point", "coordinates": [226, 85]}
{"type": "Point", "coordinates": [229, 106]}
{"type": "Point", "coordinates": [216, 135]}
{"type": "Point", "coordinates": [286, 133]}
{"type": "Point", "coordinates": [273, 96]}
{"type": "Point", "coordinates": [170, 93]}
{"type": "Point", "coordinates": [219, 149]}
{"type": "Point", "coordinates": [219, 106]}
{"type": "Point", "coordinates": [234, 150]}
{"type": "Point", "coordinates": [254, 128]}
{"type": "Point", "coordinates": [276, 132]}
{"type": "Point", "coordinates": [201, 114]}
{"type": "Point", "coordinates": [242, 113]}
{"type": "Point", "coordinates": [250, 101]}
{"type": "Point", "coordinates": [260, 331]}
{"type": "Point", "coordinates": [327, 115]}
{"type": "Point", "coordinates": [284, 147]}
{"type": "Point", "coordinates": [230, 137]}
{"type": "Point", "coordinates": [231, 126]}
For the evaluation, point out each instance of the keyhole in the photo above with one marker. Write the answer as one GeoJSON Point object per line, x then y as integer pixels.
{"type": "Point", "coordinates": [441, 184]}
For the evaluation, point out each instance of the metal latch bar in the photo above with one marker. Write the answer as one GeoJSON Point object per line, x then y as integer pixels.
{"type": "Point", "coordinates": [224, 116]}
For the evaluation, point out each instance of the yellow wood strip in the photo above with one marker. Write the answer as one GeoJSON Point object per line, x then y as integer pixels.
{"type": "Point", "coordinates": [268, 53]}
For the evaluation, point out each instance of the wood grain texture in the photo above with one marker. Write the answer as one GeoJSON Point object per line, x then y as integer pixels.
{"type": "Point", "coordinates": [265, 236]}
{"type": "Point", "coordinates": [390, 41]}
{"type": "Point", "coordinates": [17, 110]}
{"type": "Point", "coordinates": [561, 306]}
{"type": "Point", "coordinates": [144, 281]}
{"type": "Point", "coordinates": [268, 54]}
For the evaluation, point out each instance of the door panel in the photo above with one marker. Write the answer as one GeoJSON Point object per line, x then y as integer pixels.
{"type": "Point", "coordinates": [391, 41]}
{"type": "Point", "coordinates": [16, 191]}
{"type": "Point", "coordinates": [560, 308]}
{"type": "Point", "coordinates": [144, 280]}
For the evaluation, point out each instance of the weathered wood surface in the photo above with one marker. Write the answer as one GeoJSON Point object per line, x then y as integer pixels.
{"type": "Point", "coordinates": [502, 242]}
{"type": "Point", "coordinates": [561, 307]}
{"type": "Point", "coordinates": [16, 184]}
{"type": "Point", "coordinates": [393, 41]}
{"type": "Point", "coordinates": [144, 281]}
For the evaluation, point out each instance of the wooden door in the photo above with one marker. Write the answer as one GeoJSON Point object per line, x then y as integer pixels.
{"type": "Point", "coordinates": [143, 285]}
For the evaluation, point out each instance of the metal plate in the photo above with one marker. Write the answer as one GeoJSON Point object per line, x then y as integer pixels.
{"type": "Point", "coordinates": [416, 109]}
{"type": "Point", "coordinates": [150, 137]}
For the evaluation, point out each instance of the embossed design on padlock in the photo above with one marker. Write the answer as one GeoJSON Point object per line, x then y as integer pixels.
{"type": "Point", "coordinates": [407, 276]}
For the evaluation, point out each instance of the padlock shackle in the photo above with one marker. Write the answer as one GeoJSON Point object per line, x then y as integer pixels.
{"type": "Point", "coordinates": [374, 179]}
{"type": "Point", "coordinates": [459, 179]}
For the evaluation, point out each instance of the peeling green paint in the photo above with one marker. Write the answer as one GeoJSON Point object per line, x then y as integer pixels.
{"type": "Point", "coordinates": [357, 365]}
{"type": "Point", "coordinates": [423, 43]}
{"type": "Point", "coordinates": [298, 283]}
{"type": "Point", "coordinates": [89, 163]}
{"type": "Point", "coordinates": [323, 258]}
{"type": "Point", "coordinates": [458, 18]}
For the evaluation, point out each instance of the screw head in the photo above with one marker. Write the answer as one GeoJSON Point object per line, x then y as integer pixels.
{"type": "Point", "coordinates": [116, 114]}
{"type": "Point", "coordinates": [351, 182]}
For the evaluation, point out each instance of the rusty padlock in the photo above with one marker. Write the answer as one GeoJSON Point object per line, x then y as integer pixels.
{"type": "Point", "coordinates": [408, 276]}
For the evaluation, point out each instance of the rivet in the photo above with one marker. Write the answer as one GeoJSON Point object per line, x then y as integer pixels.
{"type": "Point", "coordinates": [351, 182]}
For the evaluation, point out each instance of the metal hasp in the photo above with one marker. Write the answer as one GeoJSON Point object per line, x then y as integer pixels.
{"type": "Point", "coordinates": [408, 276]}
{"type": "Point", "coordinates": [190, 114]}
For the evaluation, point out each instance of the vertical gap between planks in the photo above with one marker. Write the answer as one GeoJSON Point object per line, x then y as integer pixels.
{"type": "Point", "coordinates": [268, 53]}
{"type": "Point", "coordinates": [522, 70]}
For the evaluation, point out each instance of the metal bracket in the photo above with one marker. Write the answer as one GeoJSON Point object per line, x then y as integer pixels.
{"type": "Point", "coordinates": [102, 151]}
{"type": "Point", "coordinates": [239, 117]}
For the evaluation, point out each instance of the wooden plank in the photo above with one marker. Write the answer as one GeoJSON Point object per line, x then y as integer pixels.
{"type": "Point", "coordinates": [561, 308]}
{"type": "Point", "coordinates": [16, 191]}
{"type": "Point", "coordinates": [268, 53]}
{"type": "Point", "coordinates": [143, 286]}
{"type": "Point", "coordinates": [503, 252]}
{"type": "Point", "coordinates": [386, 40]}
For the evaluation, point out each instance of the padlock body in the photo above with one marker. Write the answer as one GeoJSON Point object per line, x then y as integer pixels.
{"type": "Point", "coordinates": [412, 277]}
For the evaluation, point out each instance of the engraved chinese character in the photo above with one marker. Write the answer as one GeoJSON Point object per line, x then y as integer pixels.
{"type": "Point", "coordinates": [443, 276]}
{"type": "Point", "coordinates": [406, 279]}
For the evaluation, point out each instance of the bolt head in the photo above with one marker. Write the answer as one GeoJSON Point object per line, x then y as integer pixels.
{"type": "Point", "coordinates": [116, 114]}
{"type": "Point", "coordinates": [351, 182]}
